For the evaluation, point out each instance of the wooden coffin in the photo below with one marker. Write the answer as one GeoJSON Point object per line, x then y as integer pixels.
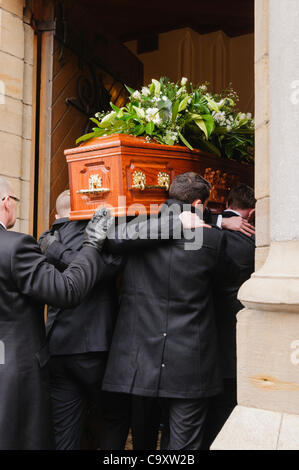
{"type": "Point", "coordinates": [128, 174]}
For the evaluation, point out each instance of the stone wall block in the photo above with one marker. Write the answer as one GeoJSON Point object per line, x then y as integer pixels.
{"type": "Point", "coordinates": [11, 153]}
{"type": "Point", "coordinates": [262, 163]}
{"type": "Point", "coordinates": [26, 159]}
{"type": "Point", "coordinates": [261, 28]}
{"type": "Point", "coordinates": [29, 36]}
{"type": "Point", "coordinates": [268, 360]}
{"type": "Point", "coordinates": [27, 121]}
{"type": "Point", "coordinates": [262, 100]}
{"type": "Point", "coordinates": [263, 222]}
{"type": "Point", "coordinates": [13, 6]}
{"type": "Point", "coordinates": [11, 74]}
{"type": "Point", "coordinates": [27, 90]}
{"type": "Point", "coordinates": [11, 34]}
{"type": "Point", "coordinates": [261, 254]}
{"type": "Point", "coordinates": [11, 116]}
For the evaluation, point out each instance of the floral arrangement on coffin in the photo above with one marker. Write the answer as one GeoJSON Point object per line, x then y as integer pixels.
{"type": "Point", "coordinates": [173, 114]}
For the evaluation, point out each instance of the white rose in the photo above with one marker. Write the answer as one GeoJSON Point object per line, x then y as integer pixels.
{"type": "Point", "coordinates": [184, 81]}
{"type": "Point", "coordinates": [136, 95]}
{"type": "Point", "coordinates": [145, 91]}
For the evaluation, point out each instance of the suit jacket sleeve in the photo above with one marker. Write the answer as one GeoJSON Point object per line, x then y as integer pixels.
{"type": "Point", "coordinates": [62, 256]}
{"type": "Point", "coordinates": [35, 277]}
{"type": "Point", "coordinates": [134, 235]}
{"type": "Point", "coordinates": [227, 270]}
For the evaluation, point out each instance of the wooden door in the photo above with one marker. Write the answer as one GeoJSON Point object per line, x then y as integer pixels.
{"type": "Point", "coordinates": [80, 89]}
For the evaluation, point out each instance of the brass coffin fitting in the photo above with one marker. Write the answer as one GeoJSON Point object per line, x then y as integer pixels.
{"type": "Point", "coordinates": [139, 181]}
{"type": "Point", "coordinates": [95, 186]}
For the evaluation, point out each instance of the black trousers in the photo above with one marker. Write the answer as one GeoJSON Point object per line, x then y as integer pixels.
{"type": "Point", "coordinates": [121, 412]}
{"type": "Point", "coordinates": [184, 423]}
{"type": "Point", "coordinates": [75, 393]}
{"type": "Point", "coordinates": [220, 408]}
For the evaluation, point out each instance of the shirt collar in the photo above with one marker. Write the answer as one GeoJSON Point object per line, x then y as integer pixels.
{"type": "Point", "coordinates": [1, 223]}
{"type": "Point", "coordinates": [235, 212]}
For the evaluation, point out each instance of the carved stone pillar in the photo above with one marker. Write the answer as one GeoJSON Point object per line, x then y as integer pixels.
{"type": "Point", "coordinates": [267, 415]}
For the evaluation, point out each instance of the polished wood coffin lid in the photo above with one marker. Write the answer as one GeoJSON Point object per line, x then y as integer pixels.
{"type": "Point", "coordinates": [123, 172]}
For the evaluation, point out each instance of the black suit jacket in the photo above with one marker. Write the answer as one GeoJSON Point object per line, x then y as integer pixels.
{"type": "Point", "coordinates": [241, 249]}
{"type": "Point", "coordinates": [165, 341]}
{"type": "Point", "coordinates": [27, 282]}
{"type": "Point", "coordinates": [89, 326]}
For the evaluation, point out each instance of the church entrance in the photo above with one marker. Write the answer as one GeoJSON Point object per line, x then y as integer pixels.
{"type": "Point", "coordinates": [86, 52]}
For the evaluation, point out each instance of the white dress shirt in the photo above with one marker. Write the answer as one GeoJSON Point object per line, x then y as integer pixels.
{"type": "Point", "coordinates": [219, 218]}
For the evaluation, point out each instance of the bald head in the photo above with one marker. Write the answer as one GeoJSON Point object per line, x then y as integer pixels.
{"type": "Point", "coordinates": [6, 188]}
{"type": "Point", "coordinates": [63, 204]}
{"type": "Point", "coordinates": [8, 204]}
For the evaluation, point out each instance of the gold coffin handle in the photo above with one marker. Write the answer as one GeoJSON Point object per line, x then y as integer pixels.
{"type": "Point", "coordinates": [139, 181]}
{"type": "Point", "coordinates": [95, 186]}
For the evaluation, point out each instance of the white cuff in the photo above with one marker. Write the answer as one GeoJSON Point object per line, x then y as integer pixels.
{"type": "Point", "coordinates": [219, 221]}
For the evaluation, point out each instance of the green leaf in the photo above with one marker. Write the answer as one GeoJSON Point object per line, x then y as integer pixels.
{"type": "Point", "coordinates": [165, 109]}
{"type": "Point", "coordinates": [140, 112]}
{"type": "Point", "coordinates": [201, 124]}
{"type": "Point", "coordinates": [209, 122]}
{"type": "Point", "coordinates": [157, 86]}
{"type": "Point", "coordinates": [151, 88]}
{"type": "Point", "coordinates": [183, 104]}
{"type": "Point", "coordinates": [85, 137]}
{"type": "Point", "coordinates": [175, 110]}
{"type": "Point", "coordinates": [212, 104]}
{"type": "Point", "coordinates": [185, 141]}
{"type": "Point", "coordinates": [96, 121]}
{"type": "Point", "coordinates": [139, 129]}
{"type": "Point", "coordinates": [130, 90]}
{"type": "Point", "coordinates": [107, 120]}
{"type": "Point", "coordinates": [149, 128]}
{"type": "Point", "coordinates": [115, 108]}
{"type": "Point", "coordinates": [211, 147]}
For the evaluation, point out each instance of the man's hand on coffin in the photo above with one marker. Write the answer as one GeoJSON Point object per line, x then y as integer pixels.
{"type": "Point", "coordinates": [96, 230]}
{"type": "Point", "coordinates": [239, 224]}
{"type": "Point", "coordinates": [190, 220]}
{"type": "Point", "coordinates": [48, 240]}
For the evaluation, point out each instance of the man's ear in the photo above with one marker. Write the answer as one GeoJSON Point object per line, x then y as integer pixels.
{"type": "Point", "coordinates": [251, 214]}
{"type": "Point", "coordinates": [6, 204]}
{"type": "Point", "coordinates": [197, 202]}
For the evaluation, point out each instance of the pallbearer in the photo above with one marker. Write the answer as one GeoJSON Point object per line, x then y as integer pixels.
{"type": "Point", "coordinates": [27, 282]}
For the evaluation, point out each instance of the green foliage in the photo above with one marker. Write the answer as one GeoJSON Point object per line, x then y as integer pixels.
{"type": "Point", "coordinates": [177, 113]}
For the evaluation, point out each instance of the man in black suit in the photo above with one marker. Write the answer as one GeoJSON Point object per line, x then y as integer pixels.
{"type": "Point", "coordinates": [27, 283]}
{"type": "Point", "coordinates": [78, 338]}
{"type": "Point", "coordinates": [240, 247]}
{"type": "Point", "coordinates": [165, 344]}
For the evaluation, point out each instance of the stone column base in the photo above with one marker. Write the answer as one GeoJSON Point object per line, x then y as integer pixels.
{"type": "Point", "coordinates": [256, 429]}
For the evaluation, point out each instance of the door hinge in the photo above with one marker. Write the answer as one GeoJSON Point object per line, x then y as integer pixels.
{"type": "Point", "coordinates": [41, 26]}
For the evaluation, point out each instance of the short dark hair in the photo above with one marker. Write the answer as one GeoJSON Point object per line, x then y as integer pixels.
{"type": "Point", "coordinates": [241, 197]}
{"type": "Point", "coordinates": [188, 187]}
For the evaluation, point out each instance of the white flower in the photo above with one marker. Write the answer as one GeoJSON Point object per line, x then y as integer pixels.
{"type": "Point", "coordinates": [229, 128]}
{"type": "Point", "coordinates": [249, 115]}
{"type": "Point", "coordinates": [203, 88]}
{"type": "Point", "coordinates": [136, 95]}
{"type": "Point", "coordinates": [184, 81]}
{"type": "Point", "coordinates": [145, 91]}
{"type": "Point", "coordinates": [152, 114]}
{"type": "Point", "coordinates": [219, 117]}
{"type": "Point", "coordinates": [164, 98]}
